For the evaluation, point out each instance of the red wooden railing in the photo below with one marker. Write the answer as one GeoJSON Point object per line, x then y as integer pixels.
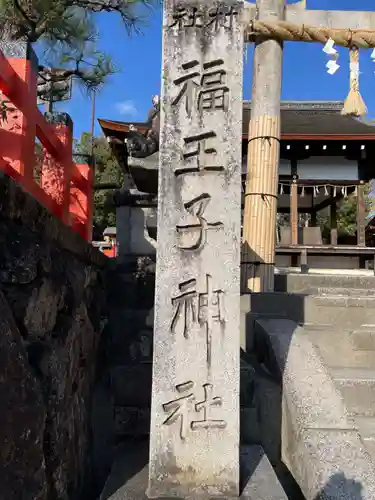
{"type": "Point", "coordinates": [65, 188]}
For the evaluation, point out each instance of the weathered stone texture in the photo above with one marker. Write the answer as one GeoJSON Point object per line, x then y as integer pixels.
{"type": "Point", "coordinates": [197, 360]}
{"type": "Point", "coordinates": [51, 307]}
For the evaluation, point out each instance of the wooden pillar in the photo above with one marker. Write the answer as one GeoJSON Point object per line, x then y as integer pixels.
{"type": "Point", "coordinates": [333, 219]}
{"type": "Point", "coordinates": [259, 235]}
{"type": "Point", "coordinates": [17, 147]}
{"type": "Point", "coordinates": [56, 172]}
{"type": "Point", "coordinates": [81, 203]}
{"type": "Point", "coordinates": [294, 212]}
{"type": "Point", "coordinates": [361, 214]}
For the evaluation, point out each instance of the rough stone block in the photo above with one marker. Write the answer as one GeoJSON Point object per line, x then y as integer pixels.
{"type": "Point", "coordinates": [22, 417]}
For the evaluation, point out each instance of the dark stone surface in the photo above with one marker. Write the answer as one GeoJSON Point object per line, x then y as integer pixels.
{"type": "Point", "coordinates": [122, 408]}
{"type": "Point", "coordinates": [131, 385]}
{"type": "Point", "coordinates": [22, 417]}
{"type": "Point", "coordinates": [22, 210]}
{"type": "Point", "coordinates": [52, 303]}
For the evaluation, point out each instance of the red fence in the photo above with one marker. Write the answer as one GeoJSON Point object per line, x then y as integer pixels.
{"type": "Point", "coordinates": [64, 188]}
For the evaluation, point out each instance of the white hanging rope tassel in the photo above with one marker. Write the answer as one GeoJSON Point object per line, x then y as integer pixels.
{"type": "Point", "coordinates": [325, 191]}
{"type": "Point", "coordinates": [281, 189]}
{"type": "Point", "coordinates": [354, 104]}
{"type": "Point", "coordinates": [316, 191]}
{"type": "Point", "coordinates": [303, 191]}
{"type": "Point", "coordinates": [355, 187]}
{"type": "Point", "coordinates": [334, 192]}
{"type": "Point", "coordinates": [342, 190]}
{"type": "Point", "coordinates": [345, 192]}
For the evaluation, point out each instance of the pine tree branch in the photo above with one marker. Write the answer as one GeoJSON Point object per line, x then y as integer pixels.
{"type": "Point", "coordinates": [30, 32]}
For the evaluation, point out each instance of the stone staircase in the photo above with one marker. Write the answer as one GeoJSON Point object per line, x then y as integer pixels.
{"type": "Point", "coordinates": [350, 358]}
{"type": "Point", "coordinates": [336, 315]}
{"type": "Point", "coordinates": [347, 342]}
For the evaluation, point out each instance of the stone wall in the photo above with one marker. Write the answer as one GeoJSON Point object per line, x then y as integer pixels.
{"type": "Point", "coordinates": [52, 306]}
{"type": "Point", "coordinates": [121, 414]}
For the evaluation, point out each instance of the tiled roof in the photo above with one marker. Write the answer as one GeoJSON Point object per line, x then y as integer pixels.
{"type": "Point", "coordinates": [315, 118]}
{"type": "Point", "coordinates": [297, 117]}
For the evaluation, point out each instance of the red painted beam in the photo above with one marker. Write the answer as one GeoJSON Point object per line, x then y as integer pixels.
{"type": "Point", "coordinates": [8, 77]}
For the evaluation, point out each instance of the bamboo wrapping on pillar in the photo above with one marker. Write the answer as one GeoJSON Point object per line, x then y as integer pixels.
{"type": "Point", "coordinates": [259, 236]}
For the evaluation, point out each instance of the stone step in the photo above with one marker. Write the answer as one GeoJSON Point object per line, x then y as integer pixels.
{"type": "Point", "coordinates": [128, 479]}
{"type": "Point", "coordinates": [345, 292]}
{"type": "Point", "coordinates": [355, 349]}
{"type": "Point", "coordinates": [357, 386]}
{"type": "Point", "coordinates": [305, 283]}
{"type": "Point", "coordinates": [366, 428]}
{"type": "Point", "coordinates": [344, 312]}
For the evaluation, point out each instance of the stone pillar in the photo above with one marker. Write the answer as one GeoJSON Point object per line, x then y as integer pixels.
{"type": "Point", "coordinates": [56, 173]}
{"type": "Point", "coordinates": [17, 147]}
{"type": "Point", "coordinates": [131, 225]}
{"type": "Point", "coordinates": [194, 439]}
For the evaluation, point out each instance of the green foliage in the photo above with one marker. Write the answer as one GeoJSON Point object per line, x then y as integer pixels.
{"type": "Point", "coordinates": [107, 171]}
{"type": "Point", "coordinates": [67, 31]}
{"type": "Point", "coordinates": [346, 215]}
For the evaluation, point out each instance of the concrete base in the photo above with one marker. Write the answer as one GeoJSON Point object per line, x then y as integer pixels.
{"type": "Point", "coordinates": [129, 476]}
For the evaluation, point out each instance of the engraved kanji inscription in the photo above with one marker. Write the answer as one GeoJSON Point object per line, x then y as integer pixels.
{"type": "Point", "coordinates": [205, 407]}
{"type": "Point", "coordinates": [213, 19]}
{"type": "Point", "coordinates": [193, 416]}
{"type": "Point", "coordinates": [199, 155]}
{"type": "Point", "coordinates": [192, 306]}
{"type": "Point", "coordinates": [185, 306]}
{"type": "Point", "coordinates": [221, 16]}
{"type": "Point", "coordinates": [206, 89]}
{"type": "Point", "coordinates": [183, 17]}
{"type": "Point", "coordinates": [178, 409]}
{"type": "Point", "coordinates": [210, 309]}
{"type": "Point", "coordinates": [197, 231]}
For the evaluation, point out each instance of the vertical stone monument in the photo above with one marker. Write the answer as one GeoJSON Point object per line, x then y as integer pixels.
{"type": "Point", "coordinates": [194, 439]}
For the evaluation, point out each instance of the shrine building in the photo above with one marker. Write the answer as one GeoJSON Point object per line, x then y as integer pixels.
{"type": "Point", "coordinates": [324, 157]}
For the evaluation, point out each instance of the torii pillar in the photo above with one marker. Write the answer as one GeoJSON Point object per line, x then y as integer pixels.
{"type": "Point", "coordinates": [259, 234]}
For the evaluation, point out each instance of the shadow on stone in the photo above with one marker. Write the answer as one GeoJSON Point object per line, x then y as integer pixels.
{"type": "Point", "coordinates": [341, 487]}
{"type": "Point", "coordinates": [129, 473]}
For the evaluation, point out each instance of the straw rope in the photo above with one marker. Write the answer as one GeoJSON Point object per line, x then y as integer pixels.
{"type": "Point", "coordinates": [282, 30]}
{"type": "Point", "coordinates": [354, 104]}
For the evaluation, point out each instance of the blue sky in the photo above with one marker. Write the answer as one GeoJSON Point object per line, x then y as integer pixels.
{"type": "Point", "coordinates": [127, 95]}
